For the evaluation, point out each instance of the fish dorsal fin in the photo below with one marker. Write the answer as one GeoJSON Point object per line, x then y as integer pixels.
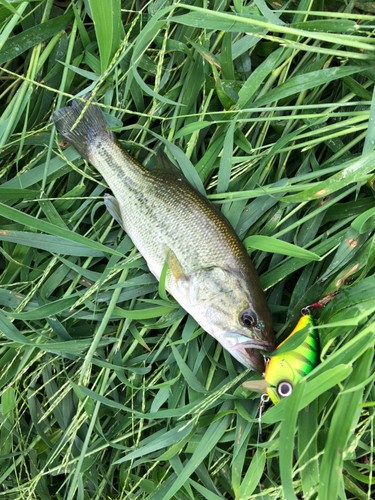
{"type": "Point", "coordinates": [164, 164]}
{"type": "Point", "coordinates": [113, 208]}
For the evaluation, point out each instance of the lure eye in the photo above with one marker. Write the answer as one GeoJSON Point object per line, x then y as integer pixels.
{"type": "Point", "coordinates": [248, 318]}
{"type": "Point", "coordinates": [284, 389]}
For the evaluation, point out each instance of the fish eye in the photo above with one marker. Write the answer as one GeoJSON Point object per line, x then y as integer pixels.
{"type": "Point", "coordinates": [248, 318]}
{"type": "Point", "coordinates": [284, 389]}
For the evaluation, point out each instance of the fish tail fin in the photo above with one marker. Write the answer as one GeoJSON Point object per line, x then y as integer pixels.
{"type": "Point", "coordinates": [82, 125]}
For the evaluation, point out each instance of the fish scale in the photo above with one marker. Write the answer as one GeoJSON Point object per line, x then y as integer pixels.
{"type": "Point", "coordinates": [209, 271]}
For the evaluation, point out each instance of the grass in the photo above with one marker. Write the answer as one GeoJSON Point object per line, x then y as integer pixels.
{"type": "Point", "coordinates": [108, 390]}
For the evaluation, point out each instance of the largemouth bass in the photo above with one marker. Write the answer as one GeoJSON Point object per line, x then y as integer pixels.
{"type": "Point", "coordinates": [209, 272]}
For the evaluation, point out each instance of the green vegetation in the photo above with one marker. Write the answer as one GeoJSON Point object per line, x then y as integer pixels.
{"type": "Point", "coordinates": [108, 390]}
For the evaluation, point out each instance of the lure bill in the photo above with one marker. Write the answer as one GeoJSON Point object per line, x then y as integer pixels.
{"type": "Point", "coordinates": [284, 371]}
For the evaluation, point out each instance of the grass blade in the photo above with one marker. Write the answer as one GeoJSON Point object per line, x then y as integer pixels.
{"type": "Point", "coordinates": [106, 17]}
{"type": "Point", "coordinates": [47, 227]}
{"type": "Point", "coordinates": [279, 246]}
{"type": "Point", "coordinates": [287, 433]}
{"type": "Point", "coordinates": [340, 429]}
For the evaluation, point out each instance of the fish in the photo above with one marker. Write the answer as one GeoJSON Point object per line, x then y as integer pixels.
{"type": "Point", "coordinates": [209, 272]}
{"type": "Point", "coordinates": [285, 370]}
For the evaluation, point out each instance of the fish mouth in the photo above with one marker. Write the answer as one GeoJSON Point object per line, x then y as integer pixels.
{"type": "Point", "coordinates": [249, 354]}
{"type": "Point", "coordinates": [262, 345]}
{"type": "Point", "coordinates": [257, 359]}
{"type": "Point", "coordinates": [248, 351]}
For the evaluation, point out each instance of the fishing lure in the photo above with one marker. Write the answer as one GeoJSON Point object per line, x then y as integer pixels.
{"type": "Point", "coordinates": [285, 370]}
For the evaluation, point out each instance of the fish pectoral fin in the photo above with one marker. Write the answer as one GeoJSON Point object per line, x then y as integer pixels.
{"type": "Point", "coordinates": [164, 164]}
{"type": "Point", "coordinates": [113, 208]}
{"type": "Point", "coordinates": [175, 268]}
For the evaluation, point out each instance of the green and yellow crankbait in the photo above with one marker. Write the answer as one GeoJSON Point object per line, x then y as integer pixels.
{"type": "Point", "coordinates": [285, 370]}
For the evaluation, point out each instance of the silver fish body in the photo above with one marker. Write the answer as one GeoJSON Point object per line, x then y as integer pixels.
{"type": "Point", "coordinates": [209, 271]}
